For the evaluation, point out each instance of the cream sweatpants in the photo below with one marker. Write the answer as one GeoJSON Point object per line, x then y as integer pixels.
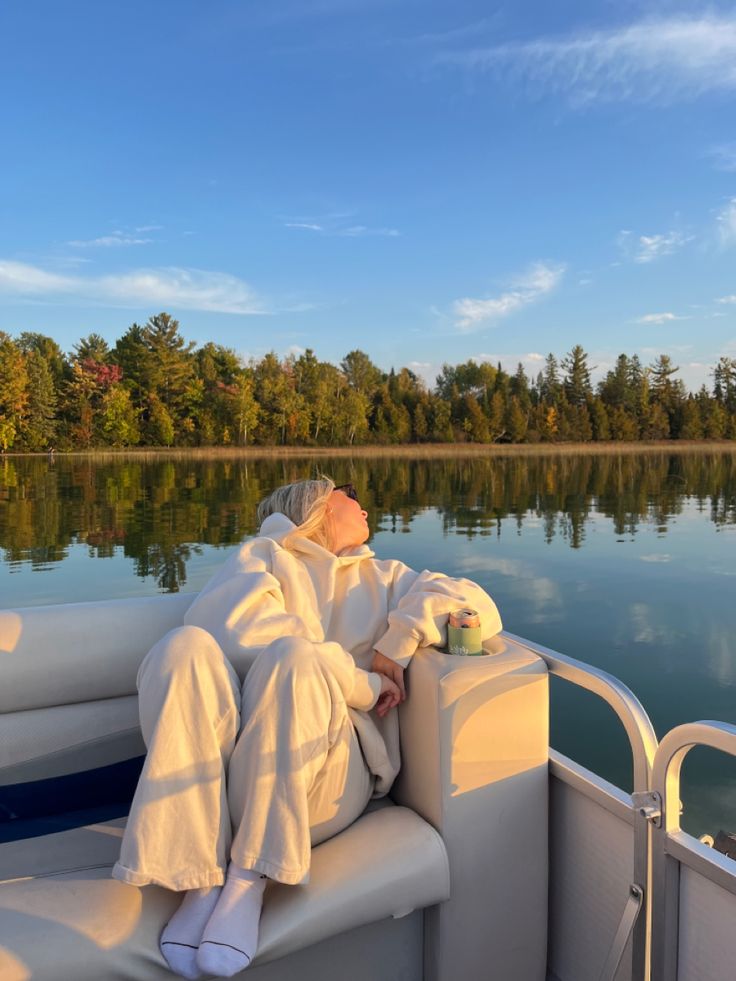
{"type": "Point", "coordinates": [260, 794]}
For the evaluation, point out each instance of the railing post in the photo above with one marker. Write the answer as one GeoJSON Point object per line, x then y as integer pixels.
{"type": "Point", "coordinates": [665, 867]}
{"type": "Point", "coordinates": [643, 742]}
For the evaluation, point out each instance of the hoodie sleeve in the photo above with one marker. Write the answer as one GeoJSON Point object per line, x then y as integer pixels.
{"type": "Point", "coordinates": [419, 605]}
{"type": "Point", "coordinates": [243, 607]}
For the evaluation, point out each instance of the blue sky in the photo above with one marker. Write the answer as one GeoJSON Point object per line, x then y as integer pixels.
{"type": "Point", "coordinates": [426, 181]}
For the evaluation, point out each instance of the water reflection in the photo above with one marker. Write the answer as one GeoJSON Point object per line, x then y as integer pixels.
{"type": "Point", "coordinates": [158, 512]}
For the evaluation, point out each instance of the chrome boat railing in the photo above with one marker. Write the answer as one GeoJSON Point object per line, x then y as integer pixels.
{"type": "Point", "coordinates": [661, 849]}
{"type": "Point", "coordinates": [673, 849]}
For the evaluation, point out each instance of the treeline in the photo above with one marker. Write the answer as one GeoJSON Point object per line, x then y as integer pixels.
{"type": "Point", "coordinates": [153, 388]}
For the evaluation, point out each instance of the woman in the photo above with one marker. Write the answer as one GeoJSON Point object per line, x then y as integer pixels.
{"type": "Point", "coordinates": [268, 715]}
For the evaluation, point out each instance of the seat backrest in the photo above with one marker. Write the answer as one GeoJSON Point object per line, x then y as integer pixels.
{"type": "Point", "coordinates": [79, 652]}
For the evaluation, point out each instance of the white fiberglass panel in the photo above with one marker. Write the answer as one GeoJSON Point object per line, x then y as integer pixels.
{"type": "Point", "coordinates": [707, 930]}
{"type": "Point", "coordinates": [591, 869]}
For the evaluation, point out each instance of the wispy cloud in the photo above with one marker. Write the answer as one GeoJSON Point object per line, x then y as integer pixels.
{"type": "Point", "coordinates": [338, 225]}
{"type": "Point", "coordinates": [304, 224]}
{"type": "Point", "coordinates": [108, 241]}
{"type": "Point", "coordinates": [357, 231]}
{"type": "Point", "coordinates": [727, 299]}
{"type": "Point", "coordinates": [657, 59]}
{"type": "Point", "coordinates": [117, 238]}
{"type": "Point", "coordinates": [658, 318]}
{"type": "Point", "coordinates": [541, 278]}
{"type": "Point", "coordinates": [25, 280]}
{"type": "Point", "coordinates": [726, 223]}
{"type": "Point", "coordinates": [188, 289]}
{"type": "Point", "coordinates": [647, 248]}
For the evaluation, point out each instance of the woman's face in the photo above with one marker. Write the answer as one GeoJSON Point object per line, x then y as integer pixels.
{"type": "Point", "coordinates": [349, 521]}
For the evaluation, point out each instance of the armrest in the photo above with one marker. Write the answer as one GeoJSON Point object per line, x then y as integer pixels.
{"type": "Point", "coordinates": [474, 750]}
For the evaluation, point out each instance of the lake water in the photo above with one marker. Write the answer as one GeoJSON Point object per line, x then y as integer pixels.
{"type": "Point", "coordinates": [627, 562]}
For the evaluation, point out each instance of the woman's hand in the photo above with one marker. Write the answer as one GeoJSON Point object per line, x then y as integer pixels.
{"type": "Point", "coordinates": [385, 666]}
{"type": "Point", "coordinates": [390, 695]}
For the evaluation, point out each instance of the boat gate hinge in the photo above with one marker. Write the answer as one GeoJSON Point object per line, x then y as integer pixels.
{"type": "Point", "coordinates": [649, 804]}
{"type": "Point", "coordinates": [630, 915]}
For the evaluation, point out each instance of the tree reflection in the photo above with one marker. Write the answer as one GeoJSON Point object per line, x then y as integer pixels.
{"type": "Point", "coordinates": [159, 512]}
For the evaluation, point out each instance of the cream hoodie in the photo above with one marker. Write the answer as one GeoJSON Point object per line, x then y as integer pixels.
{"type": "Point", "coordinates": [350, 604]}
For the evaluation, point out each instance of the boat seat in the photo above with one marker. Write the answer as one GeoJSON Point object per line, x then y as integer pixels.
{"type": "Point", "coordinates": [471, 796]}
{"type": "Point", "coordinates": [63, 917]}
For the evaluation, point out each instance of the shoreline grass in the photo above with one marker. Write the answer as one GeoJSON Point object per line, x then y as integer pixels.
{"type": "Point", "coordinates": [410, 450]}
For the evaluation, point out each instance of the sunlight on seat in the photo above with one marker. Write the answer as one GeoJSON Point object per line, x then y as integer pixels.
{"type": "Point", "coordinates": [104, 911]}
{"type": "Point", "coordinates": [12, 969]}
{"type": "Point", "coordinates": [11, 626]}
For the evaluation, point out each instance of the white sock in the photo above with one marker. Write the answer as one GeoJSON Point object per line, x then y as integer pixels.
{"type": "Point", "coordinates": [230, 939]}
{"type": "Point", "coordinates": [181, 935]}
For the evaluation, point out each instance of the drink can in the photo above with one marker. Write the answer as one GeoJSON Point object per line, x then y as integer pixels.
{"type": "Point", "coordinates": [464, 634]}
{"type": "Point", "coordinates": [465, 619]}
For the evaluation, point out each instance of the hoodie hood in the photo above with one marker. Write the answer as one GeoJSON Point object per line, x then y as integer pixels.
{"type": "Point", "coordinates": [277, 526]}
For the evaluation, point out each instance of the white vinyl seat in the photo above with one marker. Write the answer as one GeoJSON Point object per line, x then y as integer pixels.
{"type": "Point", "coordinates": [63, 917]}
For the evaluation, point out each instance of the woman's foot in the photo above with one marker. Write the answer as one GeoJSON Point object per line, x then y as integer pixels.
{"type": "Point", "coordinates": [181, 935]}
{"type": "Point", "coordinates": [230, 939]}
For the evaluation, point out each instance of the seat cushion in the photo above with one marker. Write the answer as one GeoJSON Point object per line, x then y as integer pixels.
{"type": "Point", "coordinates": [58, 889]}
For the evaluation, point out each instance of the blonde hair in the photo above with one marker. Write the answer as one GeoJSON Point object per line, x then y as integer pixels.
{"type": "Point", "coordinates": [305, 503]}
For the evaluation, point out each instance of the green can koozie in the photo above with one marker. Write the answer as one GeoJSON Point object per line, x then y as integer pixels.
{"type": "Point", "coordinates": [464, 641]}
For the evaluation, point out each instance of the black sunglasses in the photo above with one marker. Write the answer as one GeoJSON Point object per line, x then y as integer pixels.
{"type": "Point", "coordinates": [349, 490]}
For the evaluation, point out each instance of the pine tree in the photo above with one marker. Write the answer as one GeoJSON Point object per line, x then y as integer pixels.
{"type": "Point", "coordinates": [577, 376]}
{"type": "Point", "coordinates": [39, 426]}
{"type": "Point", "coordinates": [657, 425]}
{"type": "Point", "coordinates": [419, 423]}
{"type": "Point", "coordinates": [623, 425]}
{"type": "Point", "coordinates": [583, 424]}
{"type": "Point", "coordinates": [666, 391]}
{"type": "Point", "coordinates": [169, 365]}
{"type": "Point", "coordinates": [131, 354]}
{"type": "Point", "coordinates": [724, 383]}
{"type": "Point", "coordinates": [516, 420]}
{"type": "Point", "coordinates": [616, 388]}
{"type": "Point", "coordinates": [599, 420]}
{"type": "Point", "coordinates": [94, 347]}
{"type": "Point", "coordinates": [475, 422]}
{"type": "Point", "coordinates": [551, 387]}
{"type": "Point", "coordinates": [50, 351]}
{"type": "Point", "coordinates": [441, 426]}
{"type": "Point", "coordinates": [519, 387]}
{"type": "Point", "coordinates": [13, 390]}
{"type": "Point", "coordinates": [691, 424]}
{"type": "Point", "coordinates": [715, 420]}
